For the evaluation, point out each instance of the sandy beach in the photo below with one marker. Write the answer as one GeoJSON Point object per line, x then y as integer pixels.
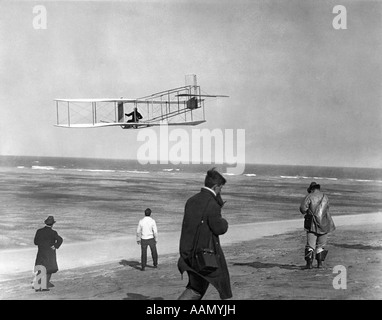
{"type": "Point", "coordinates": [265, 261]}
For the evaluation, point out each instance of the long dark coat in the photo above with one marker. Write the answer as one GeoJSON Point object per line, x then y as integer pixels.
{"type": "Point", "coordinates": [215, 226]}
{"type": "Point", "coordinates": [315, 207]}
{"type": "Point", "coordinates": [45, 238]}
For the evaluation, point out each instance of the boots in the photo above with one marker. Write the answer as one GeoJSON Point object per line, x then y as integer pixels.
{"type": "Point", "coordinates": [320, 257]}
{"type": "Point", "coordinates": [319, 260]}
{"type": "Point", "coordinates": [49, 284]}
{"type": "Point", "coordinates": [309, 258]}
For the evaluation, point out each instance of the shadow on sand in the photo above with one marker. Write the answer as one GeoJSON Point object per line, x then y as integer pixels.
{"type": "Point", "coordinates": [356, 246]}
{"type": "Point", "coordinates": [132, 295]}
{"type": "Point", "coordinates": [137, 296]}
{"type": "Point", "coordinates": [262, 265]}
{"type": "Point", "coordinates": [133, 264]}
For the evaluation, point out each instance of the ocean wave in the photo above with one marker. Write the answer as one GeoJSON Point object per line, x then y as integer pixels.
{"type": "Point", "coordinates": [250, 175]}
{"type": "Point", "coordinates": [95, 170]}
{"type": "Point", "coordinates": [304, 177]}
{"type": "Point", "coordinates": [135, 171]}
{"type": "Point", "coordinates": [170, 170]}
{"type": "Point", "coordinates": [325, 178]}
{"type": "Point", "coordinates": [20, 167]}
{"type": "Point", "coordinates": [43, 168]}
{"type": "Point", "coordinates": [365, 180]}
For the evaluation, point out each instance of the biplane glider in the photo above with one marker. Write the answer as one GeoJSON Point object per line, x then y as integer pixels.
{"type": "Point", "coordinates": [179, 106]}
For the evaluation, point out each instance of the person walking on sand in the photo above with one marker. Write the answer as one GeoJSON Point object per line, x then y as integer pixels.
{"type": "Point", "coordinates": [201, 227]}
{"type": "Point", "coordinates": [318, 223]}
{"type": "Point", "coordinates": [48, 241]}
{"type": "Point", "coordinates": [147, 235]}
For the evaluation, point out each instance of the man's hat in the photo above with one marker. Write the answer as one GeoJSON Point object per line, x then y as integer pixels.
{"type": "Point", "coordinates": [49, 220]}
{"type": "Point", "coordinates": [312, 186]}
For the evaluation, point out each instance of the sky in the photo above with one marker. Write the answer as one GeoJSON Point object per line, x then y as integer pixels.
{"type": "Point", "coordinates": [304, 92]}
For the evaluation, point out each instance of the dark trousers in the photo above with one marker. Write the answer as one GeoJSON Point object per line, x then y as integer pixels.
{"type": "Point", "coordinates": [153, 248]}
{"type": "Point", "coordinates": [197, 283]}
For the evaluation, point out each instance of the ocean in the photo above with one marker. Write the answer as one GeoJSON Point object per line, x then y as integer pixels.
{"type": "Point", "coordinates": [101, 198]}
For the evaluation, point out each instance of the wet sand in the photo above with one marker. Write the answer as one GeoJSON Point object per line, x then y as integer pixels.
{"type": "Point", "coordinates": [265, 263]}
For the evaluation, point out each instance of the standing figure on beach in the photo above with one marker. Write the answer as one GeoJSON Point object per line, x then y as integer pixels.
{"type": "Point", "coordinates": [318, 223]}
{"type": "Point", "coordinates": [48, 241]}
{"type": "Point", "coordinates": [201, 227]}
{"type": "Point", "coordinates": [147, 235]}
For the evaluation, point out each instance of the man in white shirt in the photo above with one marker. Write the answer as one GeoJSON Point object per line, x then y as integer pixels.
{"type": "Point", "coordinates": [147, 235]}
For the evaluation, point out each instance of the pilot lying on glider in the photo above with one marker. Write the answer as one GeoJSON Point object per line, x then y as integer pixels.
{"type": "Point", "coordinates": [135, 115]}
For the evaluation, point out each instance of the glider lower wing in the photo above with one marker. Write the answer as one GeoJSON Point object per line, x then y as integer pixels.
{"type": "Point", "coordinates": [129, 125]}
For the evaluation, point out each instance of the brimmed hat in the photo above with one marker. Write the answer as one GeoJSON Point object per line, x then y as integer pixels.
{"type": "Point", "coordinates": [50, 220]}
{"type": "Point", "coordinates": [312, 186]}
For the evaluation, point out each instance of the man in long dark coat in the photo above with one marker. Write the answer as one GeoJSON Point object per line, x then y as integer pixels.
{"type": "Point", "coordinates": [47, 241]}
{"type": "Point", "coordinates": [209, 202]}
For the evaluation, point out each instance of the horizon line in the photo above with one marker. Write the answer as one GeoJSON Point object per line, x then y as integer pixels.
{"type": "Point", "coordinates": [169, 162]}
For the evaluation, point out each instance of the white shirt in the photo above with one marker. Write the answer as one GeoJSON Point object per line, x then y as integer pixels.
{"type": "Point", "coordinates": [147, 229]}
